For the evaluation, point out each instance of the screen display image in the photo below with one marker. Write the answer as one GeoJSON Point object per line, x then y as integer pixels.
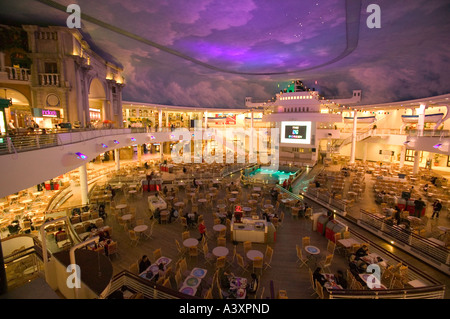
{"type": "Point", "coordinates": [296, 132]}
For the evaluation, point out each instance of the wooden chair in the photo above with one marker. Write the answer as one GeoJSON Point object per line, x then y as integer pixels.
{"type": "Point", "coordinates": [220, 262]}
{"type": "Point", "coordinates": [134, 268]}
{"type": "Point", "coordinates": [331, 247]}
{"type": "Point", "coordinates": [180, 249]}
{"type": "Point", "coordinates": [157, 254]}
{"type": "Point", "coordinates": [241, 262]}
{"type": "Point", "coordinates": [185, 235]}
{"type": "Point", "coordinates": [326, 263]}
{"type": "Point", "coordinates": [178, 279]}
{"type": "Point", "coordinates": [184, 222]}
{"type": "Point", "coordinates": [247, 246]}
{"type": "Point", "coordinates": [140, 221]}
{"type": "Point", "coordinates": [208, 256]}
{"type": "Point", "coordinates": [113, 249]}
{"type": "Point", "coordinates": [221, 241]}
{"type": "Point", "coordinates": [167, 283]}
{"type": "Point", "coordinates": [319, 290]}
{"type": "Point", "coordinates": [262, 292]}
{"type": "Point", "coordinates": [312, 282]}
{"type": "Point", "coordinates": [133, 237]}
{"type": "Point", "coordinates": [258, 264]}
{"type": "Point", "coordinates": [303, 260]}
{"type": "Point", "coordinates": [268, 257]}
{"type": "Point", "coordinates": [306, 241]}
{"type": "Point", "coordinates": [193, 252]}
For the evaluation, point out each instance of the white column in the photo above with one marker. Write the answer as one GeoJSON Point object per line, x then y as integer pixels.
{"type": "Point", "coordinates": [402, 156]}
{"type": "Point", "coordinates": [421, 122]}
{"type": "Point", "coordinates": [117, 158]}
{"type": "Point", "coordinates": [416, 162]}
{"type": "Point", "coordinates": [161, 151]}
{"type": "Point", "coordinates": [250, 151]}
{"type": "Point", "coordinates": [160, 120]}
{"type": "Point", "coordinates": [353, 150]}
{"type": "Point", "coordinates": [206, 120]}
{"type": "Point", "coordinates": [83, 184]}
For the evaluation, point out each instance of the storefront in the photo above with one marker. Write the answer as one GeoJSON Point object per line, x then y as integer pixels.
{"type": "Point", "coordinates": [47, 118]}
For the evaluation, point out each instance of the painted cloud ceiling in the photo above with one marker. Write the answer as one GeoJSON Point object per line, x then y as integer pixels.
{"type": "Point", "coordinates": [213, 53]}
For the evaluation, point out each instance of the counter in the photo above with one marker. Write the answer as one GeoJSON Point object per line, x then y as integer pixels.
{"type": "Point", "coordinates": [254, 230]}
{"type": "Point", "coordinates": [156, 202]}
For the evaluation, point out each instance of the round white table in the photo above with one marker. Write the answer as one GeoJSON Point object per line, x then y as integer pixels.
{"type": "Point", "coordinates": [232, 199]}
{"type": "Point", "coordinates": [253, 254]}
{"type": "Point", "coordinates": [247, 209]}
{"type": "Point", "coordinates": [127, 217]}
{"type": "Point", "coordinates": [190, 242]}
{"type": "Point", "coordinates": [202, 200]}
{"type": "Point", "coordinates": [179, 204]}
{"type": "Point", "coordinates": [266, 206]}
{"type": "Point", "coordinates": [312, 250]}
{"type": "Point", "coordinates": [219, 227]}
{"type": "Point", "coordinates": [220, 251]}
{"type": "Point", "coordinates": [140, 228]}
{"type": "Point", "coordinates": [121, 206]}
{"type": "Point", "coordinates": [221, 206]}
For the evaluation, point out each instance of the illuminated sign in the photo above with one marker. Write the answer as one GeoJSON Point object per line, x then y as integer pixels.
{"type": "Point", "coordinates": [45, 113]}
{"type": "Point", "coordinates": [298, 132]}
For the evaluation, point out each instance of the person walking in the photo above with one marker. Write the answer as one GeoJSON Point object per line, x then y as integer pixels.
{"type": "Point", "coordinates": [437, 206]}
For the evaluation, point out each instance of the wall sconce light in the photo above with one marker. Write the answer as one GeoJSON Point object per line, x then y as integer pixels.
{"type": "Point", "coordinates": [152, 137]}
{"type": "Point", "coordinates": [133, 139]}
{"type": "Point", "coordinates": [116, 142]}
{"type": "Point", "coordinates": [438, 146]}
{"type": "Point", "coordinates": [104, 145]}
{"type": "Point", "coordinates": [81, 156]}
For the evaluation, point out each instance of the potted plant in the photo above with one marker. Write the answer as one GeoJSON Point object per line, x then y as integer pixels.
{"type": "Point", "coordinates": [436, 159]}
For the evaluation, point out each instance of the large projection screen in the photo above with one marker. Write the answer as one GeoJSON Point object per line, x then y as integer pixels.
{"type": "Point", "coordinates": [296, 132]}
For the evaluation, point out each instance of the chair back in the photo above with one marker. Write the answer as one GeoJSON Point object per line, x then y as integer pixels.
{"type": "Point", "coordinates": [221, 241]}
{"type": "Point", "coordinates": [220, 263]}
{"type": "Point", "coordinates": [157, 254]}
{"type": "Point", "coordinates": [185, 235]}
{"type": "Point", "coordinates": [306, 241]}
{"type": "Point", "coordinates": [247, 246]}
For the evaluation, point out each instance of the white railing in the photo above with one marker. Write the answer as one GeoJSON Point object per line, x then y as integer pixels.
{"type": "Point", "coordinates": [421, 247]}
{"type": "Point", "coordinates": [49, 79]}
{"type": "Point", "coordinates": [18, 74]}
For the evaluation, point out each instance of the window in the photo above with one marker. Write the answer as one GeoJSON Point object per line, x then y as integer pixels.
{"type": "Point", "coordinates": [50, 67]}
{"type": "Point", "coordinates": [307, 109]}
{"type": "Point", "coordinates": [409, 156]}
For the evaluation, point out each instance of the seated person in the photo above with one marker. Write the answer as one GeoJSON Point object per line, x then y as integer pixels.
{"type": "Point", "coordinates": [238, 216]}
{"type": "Point", "coordinates": [252, 287]}
{"type": "Point", "coordinates": [60, 231]}
{"type": "Point", "coordinates": [361, 252]}
{"type": "Point", "coordinates": [144, 263]}
{"type": "Point", "coordinates": [340, 280]}
{"type": "Point", "coordinates": [317, 275]}
{"type": "Point", "coordinates": [425, 188]}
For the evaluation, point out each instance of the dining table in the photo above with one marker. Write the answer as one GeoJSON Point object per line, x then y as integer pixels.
{"type": "Point", "coordinates": [253, 254]}
{"type": "Point", "coordinates": [220, 251]}
{"type": "Point", "coordinates": [190, 242]}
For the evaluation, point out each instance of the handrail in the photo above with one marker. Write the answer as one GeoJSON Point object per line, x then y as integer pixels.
{"type": "Point", "coordinates": [149, 289]}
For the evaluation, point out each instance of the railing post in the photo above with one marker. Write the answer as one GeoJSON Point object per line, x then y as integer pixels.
{"type": "Point", "coordinates": [8, 139]}
{"type": "Point", "coordinates": [37, 141]}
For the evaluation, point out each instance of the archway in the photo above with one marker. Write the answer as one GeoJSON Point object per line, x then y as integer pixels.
{"type": "Point", "coordinates": [20, 111]}
{"type": "Point", "coordinates": [98, 108]}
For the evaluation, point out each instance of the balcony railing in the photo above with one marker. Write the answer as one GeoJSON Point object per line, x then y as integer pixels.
{"type": "Point", "coordinates": [49, 79]}
{"type": "Point", "coordinates": [18, 74]}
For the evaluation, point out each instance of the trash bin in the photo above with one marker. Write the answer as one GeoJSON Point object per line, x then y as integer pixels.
{"type": "Point", "coordinates": [410, 207]}
{"type": "Point", "coordinates": [321, 223]}
{"type": "Point", "coordinates": [315, 217]}
{"type": "Point", "coordinates": [144, 185]}
{"type": "Point", "coordinates": [152, 185]}
{"type": "Point", "coordinates": [401, 204]}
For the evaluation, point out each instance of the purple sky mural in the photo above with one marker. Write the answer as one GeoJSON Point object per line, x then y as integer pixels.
{"type": "Point", "coordinates": [214, 53]}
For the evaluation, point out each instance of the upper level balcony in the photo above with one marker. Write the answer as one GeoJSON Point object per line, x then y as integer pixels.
{"type": "Point", "coordinates": [49, 79]}
{"type": "Point", "coordinates": [16, 74]}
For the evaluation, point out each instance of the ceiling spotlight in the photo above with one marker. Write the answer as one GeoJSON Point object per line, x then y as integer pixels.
{"type": "Point", "coordinates": [133, 139]}
{"type": "Point", "coordinates": [406, 143]}
{"type": "Point", "coordinates": [116, 142]}
{"type": "Point", "coordinates": [104, 145]}
{"type": "Point", "coordinates": [152, 137]}
{"type": "Point", "coordinates": [438, 145]}
{"type": "Point", "coordinates": [81, 156]}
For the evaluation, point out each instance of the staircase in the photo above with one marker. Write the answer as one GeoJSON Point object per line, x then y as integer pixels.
{"type": "Point", "coordinates": [365, 134]}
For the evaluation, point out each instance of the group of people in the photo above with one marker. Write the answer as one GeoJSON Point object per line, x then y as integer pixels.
{"type": "Point", "coordinates": [145, 262]}
{"type": "Point", "coordinates": [338, 278]}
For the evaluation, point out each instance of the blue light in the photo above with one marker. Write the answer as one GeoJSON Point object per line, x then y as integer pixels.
{"type": "Point", "coordinates": [104, 145]}
{"type": "Point", "coordinates": [437, 145]}
{"type": "Point", "coordinates": [152, 137]}
{"type": "Point", "coordinates": [81, 156]}
{"type": "Point", "coordinates": [133, 139]}
{"type": "Point", "coordinates": [116, 141]}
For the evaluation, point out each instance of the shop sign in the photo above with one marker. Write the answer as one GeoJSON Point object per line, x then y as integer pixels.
{"type": "Point", "coordinates": [45, 113]}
